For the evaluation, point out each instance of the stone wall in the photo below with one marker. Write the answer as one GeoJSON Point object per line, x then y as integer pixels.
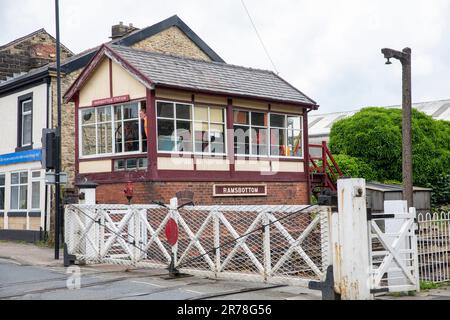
{"type": "Point", "coordinates": [172, 41]}
{"type": "Point", "coordinates": [29, 53]}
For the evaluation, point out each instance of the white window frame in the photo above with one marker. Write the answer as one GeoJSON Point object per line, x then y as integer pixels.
{"type": "Point", "coordinates": [269, 130]}
{"type": "Point", "coordinates": [192, 121]}
{"type": "Point", "coordinates": [23, 114]}
{"type": "Point", "coordinates": [35, 180]}
{"type": "Point", "coordinates": [20, 185]}
{"type": "Point", "coordinates": [286, 138]}
{"type": "Point", "coordinates": [113, 127]}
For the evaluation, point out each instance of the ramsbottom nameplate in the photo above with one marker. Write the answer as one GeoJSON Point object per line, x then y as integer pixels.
{"type": "Point", "coordinates": [240, 190]}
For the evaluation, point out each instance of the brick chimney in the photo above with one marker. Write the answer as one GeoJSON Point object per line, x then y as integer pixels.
{"type": "Point", "coordinates": [120, 30]}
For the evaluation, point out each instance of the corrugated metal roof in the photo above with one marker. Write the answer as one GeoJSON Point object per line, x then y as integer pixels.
{"type": "Point", "coordinates": [320, 124]}
{"type": "Point", "coordinates": [174, 71]}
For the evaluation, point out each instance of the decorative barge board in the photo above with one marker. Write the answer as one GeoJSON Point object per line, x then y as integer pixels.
{"type": "Point", "coordinates": [170, 124]}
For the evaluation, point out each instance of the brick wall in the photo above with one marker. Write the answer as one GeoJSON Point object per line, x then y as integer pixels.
{"type": "Point", "coordinates": [145, 192]}
{"type": "Point", "coordinates": [32, 52]}
{"type": "Point", "coordinates": [172, 41]}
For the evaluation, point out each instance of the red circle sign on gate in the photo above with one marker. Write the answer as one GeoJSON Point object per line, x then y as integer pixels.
{"type": "Point", "coordinates": [172, 232]}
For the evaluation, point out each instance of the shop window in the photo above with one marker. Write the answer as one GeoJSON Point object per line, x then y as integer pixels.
{"type": "Point", "coordinates": [36, 190]}
{"type": "Point", "coordinates": [131, 164]}
{"type": "Point", "coordinates": [113, 130]}
{"type": "Point", "coordinates": [2, 192]}
{"type": "Point", "coordinates": [19, 191]}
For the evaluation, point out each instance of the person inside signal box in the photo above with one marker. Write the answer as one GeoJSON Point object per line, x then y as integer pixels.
{"type": "Point", "coordinates": [144, 127]}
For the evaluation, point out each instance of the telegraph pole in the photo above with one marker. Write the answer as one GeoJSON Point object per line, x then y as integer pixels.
{"type": "Point", "coordinates": [405, 58]}
{"type": "Point", "coordinates": [58, 214]}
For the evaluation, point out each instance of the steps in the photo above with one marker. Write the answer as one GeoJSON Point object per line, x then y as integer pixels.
{"type": "Point", "coordinates": [323, 169]}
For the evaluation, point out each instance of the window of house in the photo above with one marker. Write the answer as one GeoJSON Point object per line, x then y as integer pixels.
{"type": "Point", "coordinates": [2, 192]}
{"type": "Point", "coordinates": [286, 136]}
{"type": "Point", "coordinates": [131, 164]}
{"type": "Point", "coordinates": [36, 190]}
{"type": "Point", "coordinates": [209, 130]}
{"type": "Point", "coordinates": [19, 191]}
{"type": "Point", "coordinates": [251, 133]}
{"type": "Point", "coordinates": [112, 130]}
{"type": "Point", "coordinates": [25, 121]}
{"type": "Point", "coordinates": [174, 127]}
{"type": "Point", "coordinates": [255, 135]}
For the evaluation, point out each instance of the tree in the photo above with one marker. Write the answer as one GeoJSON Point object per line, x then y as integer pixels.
{"type": "Point", "coordinates": [374, 135]}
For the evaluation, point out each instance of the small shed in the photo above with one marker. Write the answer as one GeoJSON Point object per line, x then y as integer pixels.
{"type": "Point", "coordinates": [377, 193]}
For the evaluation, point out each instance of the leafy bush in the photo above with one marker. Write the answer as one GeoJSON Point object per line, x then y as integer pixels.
{"type": "Point", "coordinates": [441, 191]}
{"type": "Point", "coordinates": [374, 136]}
{"type": "Point", "coordinates": [355, 167]}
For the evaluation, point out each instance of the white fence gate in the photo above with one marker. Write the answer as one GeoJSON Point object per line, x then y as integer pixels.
{"type": "Point", "coordinates": [274, 244]}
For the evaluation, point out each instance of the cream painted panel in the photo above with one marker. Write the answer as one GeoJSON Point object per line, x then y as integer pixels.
{"type": "Point", "coordinates": [9, 118]}
{"type": "Point", "coordinates": [252, 104]}
{"type": "Point", "coordinates": [281, 166]}
{"type": "Point", "coordinates": [252, 165]}
{"type": "Point", "coordinates": [213, 165]}
{"type": "Point", "coordinates": [286, 109]}
{"type": "Point", "coordinates": [97, 86]}
{"type": "Point", "coordinates": [124, 83]}
{"type": "Point", "coordinates": [173, 95]}
{"type": "Point", "coordinates": [199, 98]}
{"type": "Point", "coordinates": [175, 164]}
{"type": "Point", "coordinates": [100, 166]}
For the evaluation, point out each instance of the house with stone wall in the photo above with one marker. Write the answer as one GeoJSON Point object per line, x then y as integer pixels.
{"type": "Point", "coordinates": [35, 76]}
{"type": "Point", "coordinates": [168, 124]}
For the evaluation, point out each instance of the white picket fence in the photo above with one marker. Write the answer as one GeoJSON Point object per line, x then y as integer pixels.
{"type": "Point", "coordinates": [274, 244]}
{"type": "Point", "coordinates": [434, 246]}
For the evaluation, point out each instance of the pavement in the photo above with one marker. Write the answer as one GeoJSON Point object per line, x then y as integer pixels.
{"type": "Point", "coordinates": [28, 272]}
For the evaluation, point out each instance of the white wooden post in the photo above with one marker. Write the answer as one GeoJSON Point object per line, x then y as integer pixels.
{"type": "Point", "coordinates": [267, 253]}
{"type": "Point", "coordinates": [350, 242]}
{"type": "Point", "coordinates": [216, 221]}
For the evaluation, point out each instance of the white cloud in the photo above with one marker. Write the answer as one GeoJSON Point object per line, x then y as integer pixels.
{"type": "Point", "coordinates": [330, 49]}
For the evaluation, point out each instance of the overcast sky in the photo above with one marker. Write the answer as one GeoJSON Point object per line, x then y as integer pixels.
{"type": "Point", "coordinates": [329, 49]}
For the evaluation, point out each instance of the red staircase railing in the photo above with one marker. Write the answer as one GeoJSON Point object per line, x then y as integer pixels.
{"type": "Point", "coordinates": [323, 169]}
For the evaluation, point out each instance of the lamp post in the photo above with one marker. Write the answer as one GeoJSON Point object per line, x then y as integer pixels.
{"type": "Point", "coordinates": [58, 214]}
{"type": "Point", "coordinates": [405, 58]}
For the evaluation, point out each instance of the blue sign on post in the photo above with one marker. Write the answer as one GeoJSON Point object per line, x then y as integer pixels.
{"type": "Point", "coordinates": [21, 157]}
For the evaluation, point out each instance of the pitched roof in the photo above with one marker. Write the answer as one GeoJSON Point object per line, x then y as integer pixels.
{"type": "Point", "coordinates": [80, 60]}
{"type": "Point", "coordinates": [164, 70]}
{"type": "Point", "coordinates": [30, 35]}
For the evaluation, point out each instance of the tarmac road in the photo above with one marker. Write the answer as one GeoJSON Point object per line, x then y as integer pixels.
{"type": "Point", "coordinates": [19, 281]}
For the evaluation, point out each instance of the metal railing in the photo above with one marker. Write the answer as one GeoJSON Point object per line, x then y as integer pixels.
{"type": "Point", "coordinates": [434, 246]}
{"type": "Point", "coordinates": [274, 244]}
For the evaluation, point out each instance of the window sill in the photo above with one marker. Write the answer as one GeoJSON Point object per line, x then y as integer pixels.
{"type": "Point", "coordinates": [26, 148]}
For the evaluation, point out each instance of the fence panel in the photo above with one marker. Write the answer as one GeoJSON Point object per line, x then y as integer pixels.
{"type": "Point", "coordinates": [434, 247]}
{"type": "Point", "coordinates": [276, 244]}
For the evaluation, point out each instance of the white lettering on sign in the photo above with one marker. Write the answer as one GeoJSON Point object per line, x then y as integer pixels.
{"type": "Point", "coordinates": [240, 190]}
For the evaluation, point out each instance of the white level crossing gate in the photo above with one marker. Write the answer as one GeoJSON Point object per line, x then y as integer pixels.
{"type": "Point", "coordinates": [274, 244]}
{"type": "Point", "coordinates": [393, 250]}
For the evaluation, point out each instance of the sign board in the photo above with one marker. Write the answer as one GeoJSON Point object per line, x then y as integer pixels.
{"type": "Point", "coordinates": [240, 190]}
{"type": "Point", "coordinates": [21, 157]}
{"type": "Point", "coordinates": [172, 232]}
{"type": "Point", "coordinates": [112, 100]}
{"type": "Point", "coordinates": [50, 178]}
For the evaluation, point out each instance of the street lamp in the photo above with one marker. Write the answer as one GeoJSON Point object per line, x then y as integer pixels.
{"type": "Point", "coordinates": [405, 58]}
{"type": "Point", "coordinates": [58, 213]}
